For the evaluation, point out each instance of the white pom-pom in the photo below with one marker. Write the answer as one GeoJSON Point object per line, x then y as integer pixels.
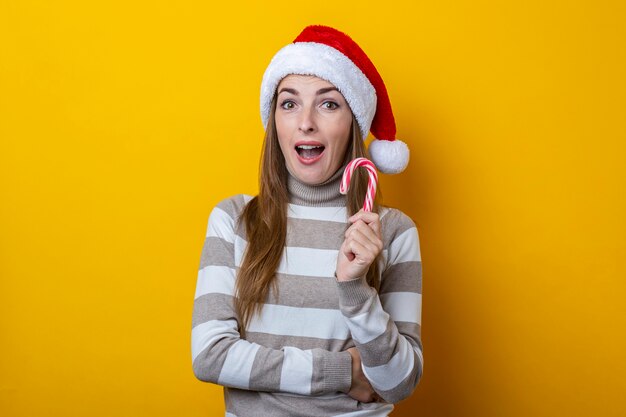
{"type": "Point", "coordinates": [389, 156]}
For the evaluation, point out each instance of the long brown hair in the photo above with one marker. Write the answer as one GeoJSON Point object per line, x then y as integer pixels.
{"type": "Point", "coordinates": [265, 220]}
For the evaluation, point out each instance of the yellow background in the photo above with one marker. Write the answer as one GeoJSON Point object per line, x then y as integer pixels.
{"type": "Point", "coordinates": [122, 123]}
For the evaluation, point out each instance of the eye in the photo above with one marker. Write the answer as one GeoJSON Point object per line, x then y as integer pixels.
{"type": "Point", "coordinates": [330, 105]}
{"type": "Point", "coordinates": [287, 105]}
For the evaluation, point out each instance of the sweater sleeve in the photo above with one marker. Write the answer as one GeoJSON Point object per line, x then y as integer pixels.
{"type": "Point", "coordinates": [221, 356]}
{"type": "Point", "coordinates": [386, 326]}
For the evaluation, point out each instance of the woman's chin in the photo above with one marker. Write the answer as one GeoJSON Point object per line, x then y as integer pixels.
{"type": "Point", "coordinates": [312, 176]}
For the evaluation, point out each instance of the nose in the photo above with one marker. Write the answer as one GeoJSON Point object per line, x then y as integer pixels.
{"type": "Point", "coordinates": [307, 121]}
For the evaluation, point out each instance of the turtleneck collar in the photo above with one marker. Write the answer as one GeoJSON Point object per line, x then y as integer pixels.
{"type": "Point", "coordinates": [325, 194]}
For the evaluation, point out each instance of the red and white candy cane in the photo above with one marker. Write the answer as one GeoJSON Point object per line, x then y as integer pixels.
{"type": "Point", "coordinates": [371, 184]}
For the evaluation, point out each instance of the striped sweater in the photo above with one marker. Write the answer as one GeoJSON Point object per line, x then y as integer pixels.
{"type": "Point", "coordinates": [293, 361]}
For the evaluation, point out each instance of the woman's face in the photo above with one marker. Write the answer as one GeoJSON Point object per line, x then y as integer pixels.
{"type": "Point", "coordinates": [313, 123]}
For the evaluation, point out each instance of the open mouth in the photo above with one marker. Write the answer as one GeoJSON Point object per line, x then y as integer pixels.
{"type": "Point", "coordinates": [309, 151]}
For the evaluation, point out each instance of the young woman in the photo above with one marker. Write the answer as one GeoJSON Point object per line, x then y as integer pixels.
{"type": "Point", "coordinates": [305, 304]}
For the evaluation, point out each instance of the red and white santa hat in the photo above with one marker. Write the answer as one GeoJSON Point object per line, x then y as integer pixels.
{"type": "Point", "coordinates": [331, 55]}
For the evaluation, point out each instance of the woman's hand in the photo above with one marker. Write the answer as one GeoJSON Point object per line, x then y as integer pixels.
{"type": "Point", "coordinates": [361, 389]}
{"type": "Point", "coordinates": [363, 242]}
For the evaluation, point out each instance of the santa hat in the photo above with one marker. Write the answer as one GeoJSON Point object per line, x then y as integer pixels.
{"type": "Point", "coordinates": [331, 55]}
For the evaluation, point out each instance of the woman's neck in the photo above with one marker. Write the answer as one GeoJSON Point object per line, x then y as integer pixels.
{"type": "Point", "coordinates": [325, 194]}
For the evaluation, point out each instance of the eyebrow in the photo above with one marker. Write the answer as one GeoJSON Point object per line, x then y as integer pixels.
{"type": "Point", "coordinates": [319, 92]}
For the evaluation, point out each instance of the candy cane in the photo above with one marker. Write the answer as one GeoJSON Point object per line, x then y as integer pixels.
{"type": "Point", "coordinates": [371, 184]}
